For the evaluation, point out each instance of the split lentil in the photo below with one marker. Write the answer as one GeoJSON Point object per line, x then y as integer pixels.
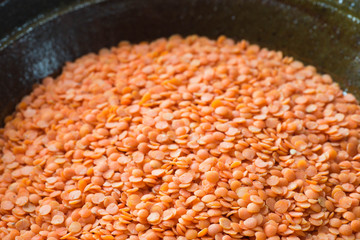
{"type": "Point", "coordinates": [182, 138]}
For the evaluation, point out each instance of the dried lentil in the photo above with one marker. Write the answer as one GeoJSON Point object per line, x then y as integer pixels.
{"type": "Point", "coordinates": [182, 138]}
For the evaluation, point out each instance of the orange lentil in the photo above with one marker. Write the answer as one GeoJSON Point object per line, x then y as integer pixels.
{"type": "Point", "coordinates": [75, 227]}
{"type": "Point", "coordinates": [355, 225]}
{"type": "Point", "coordinates": [22, 224]}
{"type": "Point", "coordinates": [249, 154]}
{"type": "Point", "coordinates": [202, 232]}
{"type": "Point", "coordinates": [213, 229]}
{"type": "Point", "coordinates": [153, 217]}
{"type": "Point", "coordinates": [212, 176]}
{"type": "Point", "coordinates": [345, 229]}
{"type": "Point", "coordinates": [7, 205]}
{"type": "Point", "coordinates": [112, 208]}
{"type": "Point", "coordinates": [250, 223]}
{"type": "Point", "coordinates": [191, 234]}
{"type": "Point", "coordinates": [270, 230]}
{"type": "Point", "coordinates": [282, 206]}
{"type": "Point", "coordinates": [345, 202]}
{"type": "Point", "coordinates": [44, 210]}
{"type": "Point", "coordinates": [253, 208]}
{"type": "Point", "coordinates": [186, 178]}
{"type": "Point", "coordinates": [256, 199]}
{"type": "Point", "coordinates": [57, 219]}
{"type": "Point", "coordinates": [260, 236]}
{"type": "Point", "coordinates": [182, 138]}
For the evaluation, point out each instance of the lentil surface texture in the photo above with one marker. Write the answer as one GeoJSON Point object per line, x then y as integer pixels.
{"type": "Point", "coordinates": [182, 138]}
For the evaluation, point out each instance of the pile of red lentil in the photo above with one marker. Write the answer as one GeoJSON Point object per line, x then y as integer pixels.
{"type": "Point", "coordinates": [182, 138]}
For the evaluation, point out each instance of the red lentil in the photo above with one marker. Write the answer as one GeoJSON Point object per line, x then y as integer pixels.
{"type": "Point", "coordinates": [182, 138]}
